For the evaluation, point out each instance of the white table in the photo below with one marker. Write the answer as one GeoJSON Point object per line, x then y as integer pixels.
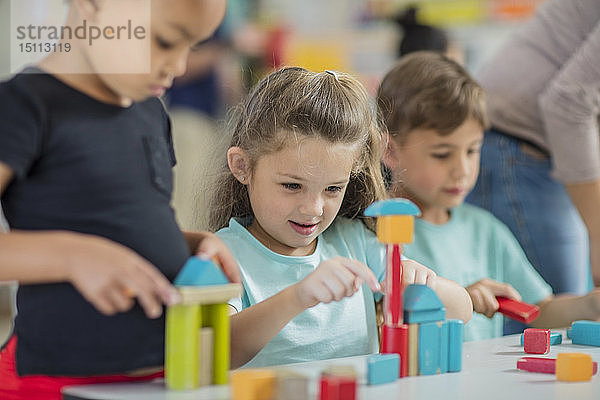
{"type": "Point", "coordinates": [489, 372]}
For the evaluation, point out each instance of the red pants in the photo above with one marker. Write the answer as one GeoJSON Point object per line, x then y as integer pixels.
{"type": "Point", "coordinates": [42, 387]}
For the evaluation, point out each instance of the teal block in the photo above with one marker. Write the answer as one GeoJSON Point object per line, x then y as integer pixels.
{"type": "Point", "coordinates": [555, 338]}
{"type": "Point", "coordinates": [419, 317]}
{"type": "Point", "coordinates": [200, 272]}
{"type": "Point", "coordinates": [395, 206]}
{"type": "Point", "coordinates": [569, 333]}
{"type": "Point", "coordinates": [586, 333]}
{"type": "Point", "coordinates": [455, 344]}
{"type": "Point", "coordinates": [421, 298]}
{"type": "Point", "coordinates": [429, 348]}
{"type": "Point", "coordinates": [444, 346]}
{"type": "Point", "coordinates": [382, 368]}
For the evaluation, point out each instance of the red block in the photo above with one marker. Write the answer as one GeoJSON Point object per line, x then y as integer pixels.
{"type": "Point", "coordinates": [394, 339]}
{"type": "Point", "coordinates": [518, 310]}
{"type": "Point", "coordinates": [337, 388]}
{"type": "Point", "coordinates": [536, 341]}
{"type": "Point", "coordinates": [543, 365]}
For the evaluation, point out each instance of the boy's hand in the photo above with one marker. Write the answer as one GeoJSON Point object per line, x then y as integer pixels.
{"type": "Point", "coordinates": [110, 275]}
{"type": "Point", "coordinates": [210, 246]}
{"type": "Point", "coordinates": [483, 295]}
{"type": "Point", "coordinates": [415, 273]}
{"type": "Point", "coordinates": [333, 280]}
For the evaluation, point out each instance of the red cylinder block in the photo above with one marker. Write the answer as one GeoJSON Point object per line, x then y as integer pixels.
{"type": "Point", "coordinates": [394, 339]}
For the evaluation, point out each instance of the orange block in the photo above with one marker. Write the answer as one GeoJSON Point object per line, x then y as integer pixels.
{"type": "Point", "coordinates": [395, 228]}
{"type": "Point", "coordinates": [574, 367]}
{"type": "Point", "coordinates": [253, 384]}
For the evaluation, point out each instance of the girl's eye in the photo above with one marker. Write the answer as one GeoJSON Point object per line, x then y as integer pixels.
{"type": "Point", "coordinates": [334, 189]}
{"type": "Point", "coordinates": [474, 151]}
{"type": "Point", "coordinates": [291, 186]}
{"type": "Point", "coordinates": [440, 156]}
{"type": "Point", "coordinates": [163, 44]}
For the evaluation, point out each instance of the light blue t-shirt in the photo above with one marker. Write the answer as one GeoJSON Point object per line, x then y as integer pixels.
{"type": "Point", "coordinates": [337, 329]}
{"type": "Point", "coordinates": [474, 245]}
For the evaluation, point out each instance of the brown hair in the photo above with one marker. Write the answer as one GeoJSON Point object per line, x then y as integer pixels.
{"type": "Point", "coordinates": [292, 103]}
{"type": "Point", "coordinates": [428, 90]}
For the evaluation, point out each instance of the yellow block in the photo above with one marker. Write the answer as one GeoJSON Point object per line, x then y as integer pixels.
{"type": "Point", "coordinates": [574, 367]}
{"type": "Point", "coordinates": [253, 384]}
{"type": "Point", "coordinates": [395, 228]}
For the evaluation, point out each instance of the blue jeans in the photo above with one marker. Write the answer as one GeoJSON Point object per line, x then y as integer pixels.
{"type": "Point", "coordinates": [517, 188]}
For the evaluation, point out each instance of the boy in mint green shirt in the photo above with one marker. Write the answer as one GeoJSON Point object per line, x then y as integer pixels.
{"type": "Point", "coordinates": [435, 115]}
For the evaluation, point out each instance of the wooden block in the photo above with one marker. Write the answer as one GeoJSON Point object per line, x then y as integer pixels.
{"type": "Point", "coordinates": [181, 346]}
{"type": "Point", "coordinates": [347, 371]}
{"type": "Point", "coordinates": [382, 368]}
{"type": "Point", "coordinates": [200, 272]}
{"type": "Point", "coordinates": [337, 388]}
{"type": "Point", "coordinates": [209, 294]}
{"type": "Point", "coordinates": [205, 348]}
{"type": "Point", "coordinates": [537, 364]}
{"type": "Point", "coordinates": [394, 339]}
{"type": "Point", "coordinates": [536, 341]}
{"type": "Point", "coordinates": [291, 385]}
{"type": "Point", "coordinates": [555, 338]}
{"type": "Point", "coordinates": [574, 367]}
{"type": "Point", "coordinates": [253, 384]}
{"type": "Point", "coordinates": [421, 304]}
{"type": "Point", "coordinates": [444, 347]}
{"type": "Point", "coordinates": [586, 333]}
{"type": "Point", "coordinates": [455, 344]}
{"type": "Point", "coordinates": [518, 310]}
{"type": "Point", "coordinates": [429, 348]}
{"type": "Point", "coordinates": [543, 365]}
{"type": "Point", "coordinates": [413, 349]}
{"type": "Point", "coordinates": [395, 228]}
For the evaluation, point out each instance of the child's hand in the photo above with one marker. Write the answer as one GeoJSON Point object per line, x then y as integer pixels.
{"type": "Point", "coordinates": [415, 273]}
{"type": "Point", "coordinates": [110, 275]}
{"type": "Point", "coordinates": [333, 280]}
{"type": "Point", "coordinates": [483, 294]}
{"type": "Point", "coordinates": [211, 246]}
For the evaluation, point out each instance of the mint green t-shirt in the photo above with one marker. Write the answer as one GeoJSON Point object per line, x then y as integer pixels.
{"type": "Point", "coordinates": [474, 245]}
{"type": "Point", "coordinates": [337, 329]}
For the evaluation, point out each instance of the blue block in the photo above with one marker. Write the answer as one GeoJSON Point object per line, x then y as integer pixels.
{"type": "Point", "coordinates": [199, 272]}
{"type": "Point", "coordinates": [444, 347]}
{"type": "Point", "coordinates": [569, 333]}
{"type": "Point", "coordinates": [586, 333]}
{"type": "Point", "coordinates": [382, 368]}
{"type": "Point", "coordinates": [421, 298]}
{"type": "Point", "coordinates": [395, 206]}
{"type": "Point", "coordinates": [455, 344]}
{"type": "Point", "coordinates": [429, 348]}
{"type": "Point", "coordinates": [419, 317]}
{"type": "Point", "coordinates": [555, 338]}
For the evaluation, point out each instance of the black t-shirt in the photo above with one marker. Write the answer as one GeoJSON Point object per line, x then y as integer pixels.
{"type": "Point", "coordinates": [86, 166]}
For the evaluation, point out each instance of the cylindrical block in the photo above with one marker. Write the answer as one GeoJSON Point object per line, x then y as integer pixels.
{"type": "Point", "coordinates": [395, 340]}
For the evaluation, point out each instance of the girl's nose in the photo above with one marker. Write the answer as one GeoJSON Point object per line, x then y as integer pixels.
{"type": "Point", "coordinates": [312, 206]}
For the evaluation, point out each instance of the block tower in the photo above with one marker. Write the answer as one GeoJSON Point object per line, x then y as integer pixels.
{"type": "Point", "coordinates": [197, 330]}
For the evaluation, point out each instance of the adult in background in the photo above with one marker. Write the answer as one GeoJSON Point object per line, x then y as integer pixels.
{"type": "Point", "coordinates": [540, 162]}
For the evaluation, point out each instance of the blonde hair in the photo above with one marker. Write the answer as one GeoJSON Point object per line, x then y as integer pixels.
{"type": "Point", "coordinates": [292, 103]}
{"type": "Point", "coordinates": [428, 90]}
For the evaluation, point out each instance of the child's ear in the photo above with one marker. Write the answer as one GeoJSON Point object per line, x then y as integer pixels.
{"type": "Point", "coordinates": [239, 164]}
{"type": "Point", "coordinates": [390, 154]}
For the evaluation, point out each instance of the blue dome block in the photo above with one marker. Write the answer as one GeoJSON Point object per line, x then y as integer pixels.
{"type": "Point", "coordinates": [199, 272]}
{"type": "Point", "coordinates": [392, 207]}
{"type": "Point", "coordinates": [421, 298]}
